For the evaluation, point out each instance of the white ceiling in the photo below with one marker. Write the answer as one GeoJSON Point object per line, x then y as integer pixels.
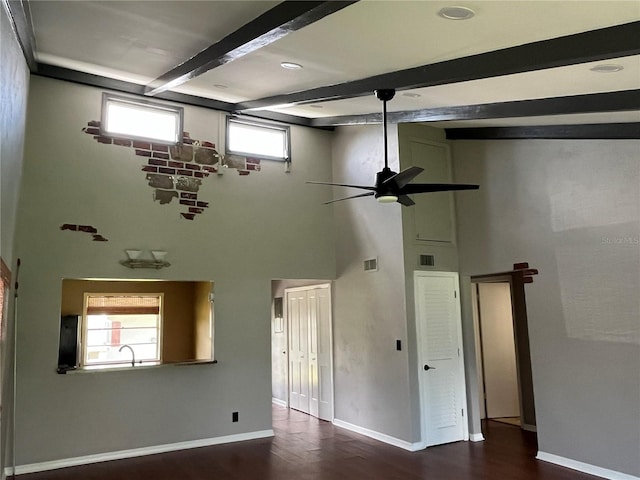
{"type": "Point", "coordinates": [138, 41]}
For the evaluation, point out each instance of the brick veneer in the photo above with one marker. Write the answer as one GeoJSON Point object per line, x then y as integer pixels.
{"type": "Point", "coordinates": [177, 171]}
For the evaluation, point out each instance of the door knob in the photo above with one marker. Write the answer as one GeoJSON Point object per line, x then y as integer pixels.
{"type": "Point", "coordinates": [427, 367]}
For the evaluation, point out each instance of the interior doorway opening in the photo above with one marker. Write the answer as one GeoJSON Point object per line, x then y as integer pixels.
{"type": "Point", "coordinates": [301, 346]}
{"type": "Point", "coordinates": [503, 357]}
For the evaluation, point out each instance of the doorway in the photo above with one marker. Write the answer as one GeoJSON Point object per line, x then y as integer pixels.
{"type": "Point", "coordinates": [302, 360]}
{"type": "Point", "coordinates": [502, 350]}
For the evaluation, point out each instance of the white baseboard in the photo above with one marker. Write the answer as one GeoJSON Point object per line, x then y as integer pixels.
{"type": "Point", "coordinates": [137, 452]}
{"type": "Point", "coordinates": [476, 437]}
{"type": "Point", "coordinates": [584, 467]}
{"type": "Point", "coordinates": [277, 401]}
{"type": "Point", "coordinates": [396, 442]}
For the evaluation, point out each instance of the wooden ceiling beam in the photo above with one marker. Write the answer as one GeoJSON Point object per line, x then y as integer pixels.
{"type": "Point", "coordinates": [280, 21]}
{"type": "Point", "coordinates": [595, 45]}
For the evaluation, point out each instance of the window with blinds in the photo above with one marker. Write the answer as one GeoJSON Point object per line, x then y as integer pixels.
{"type": "Point", "coordinates": [119, 328]}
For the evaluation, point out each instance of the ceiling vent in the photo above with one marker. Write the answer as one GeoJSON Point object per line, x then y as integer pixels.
{"type": "Point", "coordinates": [425, 260]}
{"type": "Point", "coordinates": [371, 265]}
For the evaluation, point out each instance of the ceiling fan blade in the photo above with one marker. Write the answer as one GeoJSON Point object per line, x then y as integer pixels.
{"type": "Point", "coordinates": [435, 187]}
{"type": "Point", "coordinates": [405, 200]}
{"type": "Point", "coordinates": [404, 177]}
{"type": "Point", "coordinates": [343, 185]}
{"type": "Point", "coordinates": [348, 198]}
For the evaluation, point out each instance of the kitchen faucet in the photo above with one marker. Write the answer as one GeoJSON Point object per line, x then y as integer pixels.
{"type": "Point", "coordinates": [133, 355]}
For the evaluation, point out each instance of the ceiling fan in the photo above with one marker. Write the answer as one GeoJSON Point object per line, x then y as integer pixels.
{"type": "Point", "coordinates": [393, 187]}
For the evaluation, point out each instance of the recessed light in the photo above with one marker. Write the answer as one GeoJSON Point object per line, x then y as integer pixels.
{"type": "Point", "coordinates": [291, 65]}
{"type": "Point", "coordinates": [607, 68]}
{"type": "Point", "coordinates": [456, 13]}
{"type": "Point", "coordinates": [411, 95]}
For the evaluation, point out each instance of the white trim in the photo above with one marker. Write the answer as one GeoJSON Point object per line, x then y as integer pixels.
{"type": "Point", "coordinates": [137, 452]}
{"type": "Point", "coordinates": [277, 401]}
{"type": "Point", "coordinates": [396, 442]}
{"type": "Point", "coordinates": [584, 467]}
{"type": "Point", "coordinates": [476, 437]}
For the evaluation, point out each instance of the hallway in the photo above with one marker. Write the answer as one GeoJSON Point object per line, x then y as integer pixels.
{"type": "Point", "coordinates": [306, 448]}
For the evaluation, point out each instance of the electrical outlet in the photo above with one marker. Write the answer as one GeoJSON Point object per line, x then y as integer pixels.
{"type": "Point", "coordinates": [234, 417]}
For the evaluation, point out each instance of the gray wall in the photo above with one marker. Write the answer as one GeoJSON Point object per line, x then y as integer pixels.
{"type": "Point", "coordinates": [252, 232]}
{"type": "Point", "coordinates": [14, 84]}
{"type": "Point", "coordinates": [572, 210]}
{"type": "Point", "coordinates": [370, 375]}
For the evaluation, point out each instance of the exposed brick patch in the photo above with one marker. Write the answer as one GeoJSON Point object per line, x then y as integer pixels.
{"type": "Point", "coordinates": [143, 145]}
{"type": "Point", "coordinates": [174, 171]}
{"type": "Point", "coordinates": [160, 181]}
{"type": "Point", "coordinates": [191, 203]}
{"type": "Point", "coordinates": [184, 153]}
{"type": "Point", "coordinates": [206, 156]}
{"type": "Point", "coordinates": [122, 142]}
{"type": "Point", "coordinates": [93, 231]}
{"type": "Point", "coordinates": [164, 196]}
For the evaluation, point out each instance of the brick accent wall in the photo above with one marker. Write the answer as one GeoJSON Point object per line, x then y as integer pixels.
{"type": "Point", "coordinates": [177, 171]}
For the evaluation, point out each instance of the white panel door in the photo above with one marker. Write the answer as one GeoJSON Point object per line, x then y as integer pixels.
{"type": "Point", "coordinates": [498, 350]}
{"type": "Point", "coordinates": [314, 393]}
{"type": "Point", "coordinates": [325, 366]}
{"type": "Point", "coordinates": [298, 314]}
{"type": "Point", "coordinates": [442, 391]}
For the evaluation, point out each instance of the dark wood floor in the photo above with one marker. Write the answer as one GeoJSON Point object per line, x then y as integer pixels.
{"type": "Point", "coordinates": [305, 448]}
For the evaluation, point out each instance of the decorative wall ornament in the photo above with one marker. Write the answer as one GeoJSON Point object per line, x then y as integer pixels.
{"type": "Point", "coordinates": [176, 171]}
{"type": "Point", "coordinates": [85, 229]}
{"type": "Point", "coordinates": [134, 261]}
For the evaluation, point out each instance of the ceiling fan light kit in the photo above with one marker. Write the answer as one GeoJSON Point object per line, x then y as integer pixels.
{"type": "Point", "coordinates": [392, 187]}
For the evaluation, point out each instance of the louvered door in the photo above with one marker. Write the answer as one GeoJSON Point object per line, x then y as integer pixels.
{"type": "Point", "coordinates": [443, 398]}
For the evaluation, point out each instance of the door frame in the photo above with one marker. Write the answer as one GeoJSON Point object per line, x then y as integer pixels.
{"type": "Point", "coordinates": [521, 341]}
{"type": "Point", "coordinates": [420, 354]}
{"type": "Point", "coordinates": [285, 307]}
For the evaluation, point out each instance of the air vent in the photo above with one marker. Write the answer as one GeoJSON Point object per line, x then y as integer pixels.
{"type": "Point", "coordinates": [426, 260]}
{"type": "Point", "coordinates": [371, 265]}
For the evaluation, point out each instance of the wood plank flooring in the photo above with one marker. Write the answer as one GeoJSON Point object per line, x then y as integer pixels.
{"type": "Point", "coordinates": [305, 448]}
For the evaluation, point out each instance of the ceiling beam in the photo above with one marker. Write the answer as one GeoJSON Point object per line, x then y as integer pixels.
{"type": "Point", "coordinates": [61, 73]}
{"type": "Point", "coordinates": [595, 45]}
{"type": "Point", "coordinates": [626, 100]}
{"type": "Point", "coordinates": [601, 131]}
{"type": "Point", "coordinates": [280, 21]}
{"type": "Point", "coordinates": [20, 19]}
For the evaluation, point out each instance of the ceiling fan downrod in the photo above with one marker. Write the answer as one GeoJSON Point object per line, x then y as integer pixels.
{"type": "Point", "coordinates": [385, 95]}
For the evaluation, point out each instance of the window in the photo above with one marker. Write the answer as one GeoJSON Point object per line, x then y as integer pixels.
{"type": "Point", "coordinates": [249, 138]}
{"type": "Point", "coordinates": [120, 327]}
{"type": "Point", "coordinates": [139, 119]}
